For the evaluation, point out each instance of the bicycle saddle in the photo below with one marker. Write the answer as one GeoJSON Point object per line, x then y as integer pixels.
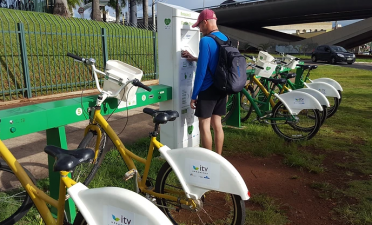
{"type": "Point", "coordinates": [277, 80]}
{"type": "Point", "coordinates": [161, 117]}
{"type": "Point", "coordinates": [288, 75]}
{"type": "Point", "coordinates": [304, 67]}
{"type": "Point", "coordinates": [67, 160]}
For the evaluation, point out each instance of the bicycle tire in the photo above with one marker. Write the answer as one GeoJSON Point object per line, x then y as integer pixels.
{"type": "Point", "coordinates": [245, 105]}
{"type": "Point", "coordinates": [230, 105]}
{"type": "Point", "coordinates": [167, 179]}
{"type": "Point", "coordinates": [85, 172]}
{"type": "Point", "coordinates": [79, 219]}
{"type": "Point", "coordinates": [299, 130]}
{"type": "Point", "coordinates": [334, 107]}
{"type": "Point", "coordinates": [12, 212]}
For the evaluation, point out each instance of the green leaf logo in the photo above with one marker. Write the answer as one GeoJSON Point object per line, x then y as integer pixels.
{"type": "Point", "coordinates": [268, 68]}
{"type": "Point", "coordinates": [261, 57]}
{"type": "Point", "coordinates": [167, 21]}
{"type": "Point", "coordinates": [190, 129]}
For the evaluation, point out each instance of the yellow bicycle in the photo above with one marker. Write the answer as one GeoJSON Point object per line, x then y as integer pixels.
{"type": "Point", "coordinates": [18, 193]}
{"type": "Point", "coordinates": [194, 185]}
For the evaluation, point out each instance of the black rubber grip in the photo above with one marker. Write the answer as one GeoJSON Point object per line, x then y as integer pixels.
{"type": "Point", "coordinates": [251, 57]}
{"type": "Point", "coordinates": [139, 84]}
{"type": "Point", "coordinates": [75, 56]}
{"type": "Point", "coordinates": [259, 67]}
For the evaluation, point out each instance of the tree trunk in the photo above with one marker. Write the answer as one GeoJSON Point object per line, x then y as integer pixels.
{"type": "Point", "coordinates": [96, 14]}
{"type": "Point", "coordinates": [104, 14]}
{"type": "Point", "coordinates": [117, 12]}
{"type": "Point", "coordinates": [61, 8]}
{"type": "Point", "coordinates": [145, 13]}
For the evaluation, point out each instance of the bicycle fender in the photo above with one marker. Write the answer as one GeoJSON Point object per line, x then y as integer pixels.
{"type": "Point", "coordinates": [113, 205]}
{"type": "Point", "coordinates": [295, 101]}
{"type": "Point", "coordinates": [316, 94]}
{"type": "Point", "coordinates": [325, 88]}
{"type": "Point", "coordinates": [200, 170]}
{"type": "Point", "coordinates": [330, 81]}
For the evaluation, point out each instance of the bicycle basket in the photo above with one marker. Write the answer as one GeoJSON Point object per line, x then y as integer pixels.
{"type": "Point", "coordinates": [291, 62]}
{"type": "Point", "coordinates": [123, 72]}
{"type": "Point", "coordinates": [265, 56]}
{"type": "Point", "coordinates": [268, 70]}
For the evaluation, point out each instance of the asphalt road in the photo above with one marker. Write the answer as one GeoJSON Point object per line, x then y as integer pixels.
{"type": "Point", "coordinates": [356, 65]}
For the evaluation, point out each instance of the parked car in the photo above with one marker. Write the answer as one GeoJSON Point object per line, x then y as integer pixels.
{"type": "Point", "coordinates": [332, 54]}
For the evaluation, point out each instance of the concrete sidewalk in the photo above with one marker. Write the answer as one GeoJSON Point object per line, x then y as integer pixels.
{"type": "Point", "coordinates": [28, 149]}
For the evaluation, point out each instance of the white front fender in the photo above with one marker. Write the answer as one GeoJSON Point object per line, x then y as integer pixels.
{"type": "Point", "coordinates": [316, 94]}
{"type": "Point", "coordinates": [324, 88]}
{"type": "Point", "coordinates": [296, 101]}
{"type": "Point", "coordinates": [113, 205]}
{"type": "Point", "coordinates": [330, 81]}
{"type": "Point", "coordinates": [200, 170]}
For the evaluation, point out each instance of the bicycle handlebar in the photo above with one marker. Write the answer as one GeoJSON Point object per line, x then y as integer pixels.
{"type": "Point", "coordinates": [75, 57]}
{"type": "Point", "coordinates": [138, 83]}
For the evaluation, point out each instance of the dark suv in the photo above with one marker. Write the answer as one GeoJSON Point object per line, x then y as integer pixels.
{"type": "Point", "coordinates": [332, 54]}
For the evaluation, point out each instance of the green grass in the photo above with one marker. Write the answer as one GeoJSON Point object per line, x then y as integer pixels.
{"type": "Point", "coordinates": [49, 38]}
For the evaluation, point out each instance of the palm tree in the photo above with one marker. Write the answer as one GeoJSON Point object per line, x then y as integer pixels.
{"type": "Point", "coordinates": [64, 7]}
{"type": "Point", "coordinates": [117, 5]}
{"type": "Point", "coordinates": [96, 14]}
{"type": "Point", "coordinates": [145, 17]}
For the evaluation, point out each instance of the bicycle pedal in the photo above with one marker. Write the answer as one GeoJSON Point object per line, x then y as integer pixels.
{"type": "Point", "coordinates": [128, 175]}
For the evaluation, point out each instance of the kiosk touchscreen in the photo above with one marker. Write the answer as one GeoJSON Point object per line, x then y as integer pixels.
{"type": "Point", "coordinates": [175, 35]}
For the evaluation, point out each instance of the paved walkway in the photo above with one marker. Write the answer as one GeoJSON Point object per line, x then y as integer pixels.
{"type": "Point", "coordinates": [28, 149]}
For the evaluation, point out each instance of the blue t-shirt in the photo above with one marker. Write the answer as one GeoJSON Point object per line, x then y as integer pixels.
{"type": "Point", "coordinates": [208, 56]}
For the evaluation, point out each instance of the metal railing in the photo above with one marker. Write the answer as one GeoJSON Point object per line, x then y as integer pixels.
{"type": "Point", "coordinates": [33, 49]}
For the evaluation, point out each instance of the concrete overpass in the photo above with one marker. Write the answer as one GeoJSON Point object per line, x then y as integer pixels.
{"type": "Point", "coordinates": [245, 21]}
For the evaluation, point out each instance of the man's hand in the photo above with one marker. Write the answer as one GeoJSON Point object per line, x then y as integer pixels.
{"type": "Point", "coordinates": [193, 104]}
{"type": "Point", "coordinates": [188, 56]}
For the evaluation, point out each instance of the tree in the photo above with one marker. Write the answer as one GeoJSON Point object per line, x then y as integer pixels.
{"type": "Point", "coordinates": [145, 17]}
{"type": "Point", "coordinates": [96, 14]}
{"type": "Point", "coordinates": [117, 5]}
{"type": "Point", "coordinates": [61, 8]}
{"type": "Point", "coordinates": [64, 7]}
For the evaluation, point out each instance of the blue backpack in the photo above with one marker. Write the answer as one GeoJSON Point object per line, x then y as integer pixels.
{"type": "Point", "coordinates": [230, 75]}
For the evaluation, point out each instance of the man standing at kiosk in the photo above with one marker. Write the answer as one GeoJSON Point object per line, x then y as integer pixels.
{"type": "Point", "coordinates": [209, 102]}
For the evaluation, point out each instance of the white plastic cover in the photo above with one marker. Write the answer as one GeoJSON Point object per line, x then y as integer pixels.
{"type": "Point", "coordinates": [316, 94]}
{"type": "Point", "coordinates": [330, 81]}
{"type": "Point", "coordinates": [112, 205]}
{"type": "Point", "coordinates": [324, 88]}
{"type": "Point", "coordinates": [297, 101]}
{"type": "Point", "coordinates": [200, 170]}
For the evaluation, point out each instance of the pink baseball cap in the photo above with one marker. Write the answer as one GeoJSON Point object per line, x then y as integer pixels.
{"type": "Point", "coordinates": [206, 14]}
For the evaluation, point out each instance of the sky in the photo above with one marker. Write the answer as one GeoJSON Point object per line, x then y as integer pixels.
{"type": "Point", "coordinates": [189, 4]}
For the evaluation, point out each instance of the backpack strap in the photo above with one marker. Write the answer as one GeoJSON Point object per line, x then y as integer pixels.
{"type": "Point", "coordinates": [219, 41]}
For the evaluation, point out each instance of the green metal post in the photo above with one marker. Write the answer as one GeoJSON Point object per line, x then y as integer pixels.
{"type": "Point", "coordinates": [26, 72]}
{"type": "Point", "coordinates": [155, 54]}
{"type": "Point", "coordinates": [104, 46]}
{"type": "Point", "coordinates": [57, 137]}
{"type": "Point", "coordinates": [298, 80]}
{"type": "Point", "coordinates": [234, 119]}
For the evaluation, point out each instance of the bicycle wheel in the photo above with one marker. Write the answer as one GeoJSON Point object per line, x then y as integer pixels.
{"type": "Point", "coordinates": [246, 107]}
{"type": "Point", "coordinates": [217, 207]}
{"type": "Point", "coordinates": [85, 171]}
{"type": "Point", "coordinates": [301, 127]}
{"type": "Point", "coordinates": [334, 104]}
{"type": "Point", "coordinates": [79, 219]}
{"type": "Point", "coordinates": [230, 105]}
{"type": "Point", "coordinates": [14, 200]}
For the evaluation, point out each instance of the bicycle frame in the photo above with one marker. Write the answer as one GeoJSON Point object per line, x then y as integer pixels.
{"type": "Point", "coordinates": [39, 198]}
{"type": "Point", "coordinates": [127, 155]}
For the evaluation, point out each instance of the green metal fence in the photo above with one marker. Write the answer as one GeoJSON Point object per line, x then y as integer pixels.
{"type": "Point", "coordinates": [33, 49]}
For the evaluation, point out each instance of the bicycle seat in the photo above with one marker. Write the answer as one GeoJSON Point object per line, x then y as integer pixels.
{"type": "Point", "coordinates": [304, 67]}
{"type": "Point", "coordinates": [161, 117]}
{"type": "Point", "coordinates": [67, 160]}
{"type": "Point", "coordinates": [312, 67]}
{"type": "Point", "coordinates": [288, 76]}
{"type": "Point", "coordinates": [277, 80]}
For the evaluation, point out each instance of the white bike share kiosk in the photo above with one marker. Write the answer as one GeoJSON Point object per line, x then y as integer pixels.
{"type": "Point", "coordinates": [175, 34]}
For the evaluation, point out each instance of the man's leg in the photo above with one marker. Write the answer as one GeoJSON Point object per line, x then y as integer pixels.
{"type": "Point", "coordinates": [218, 133]}
{"type": "Point", "coordinates": [205, 132]}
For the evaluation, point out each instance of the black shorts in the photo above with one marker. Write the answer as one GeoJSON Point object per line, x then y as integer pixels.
{"type": "Point", "coordinates": [210, 102]}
